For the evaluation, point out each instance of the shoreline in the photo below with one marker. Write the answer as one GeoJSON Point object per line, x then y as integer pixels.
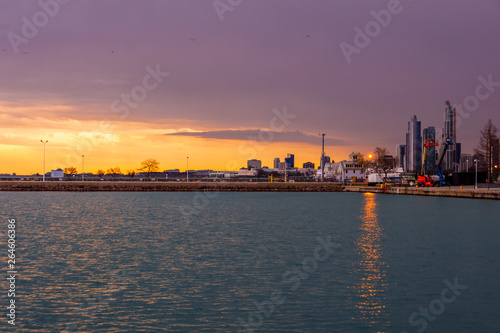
{"type": "Point", "coordinates": [136, 186]}
{"type": "Point", "coordinates": [133, 186]}
{"type": "Point", "coordinates": [445, 191]}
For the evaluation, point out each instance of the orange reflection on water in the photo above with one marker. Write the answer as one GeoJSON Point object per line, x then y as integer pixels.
{"type": "Point", "coordinates": [372, 286]}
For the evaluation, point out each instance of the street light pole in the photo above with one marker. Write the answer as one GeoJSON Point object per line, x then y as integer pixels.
{"type": "Point", "coordinates": [44, 142]}
{"type": "Point", "coordinates": [491, 165]}
{"type": "Point", "coordinates": [83, 167]}
{"type": "Point", "coordinates": [187, 169]}
{"type": "Point", "coordinates": [475, 161]}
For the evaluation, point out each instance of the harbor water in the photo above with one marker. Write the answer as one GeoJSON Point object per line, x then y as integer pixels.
{"type": "Point", "coordinates": [250, 262]}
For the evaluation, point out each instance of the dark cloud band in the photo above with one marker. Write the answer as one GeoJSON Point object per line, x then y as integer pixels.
{"type": "Point", "coordinates": [263, 136]}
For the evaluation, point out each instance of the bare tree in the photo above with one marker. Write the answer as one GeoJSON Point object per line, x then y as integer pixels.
{"type": "Point", "coordinates": [382, 162]}
{"type": "Point", "coordinates": [70, 171]}
{"type": "Point", "coordinates": [380, 154]}
{"type": "Point", "coordinates": [131, 173]}
{"type": "Point", "coordinates": [114, 171]}
{"type": "Point", "coordinates": [485, 146]}
{"type": "Point", "coordinates": [361, 159]}
{"type": "Point", "coordinates": [149, 165]}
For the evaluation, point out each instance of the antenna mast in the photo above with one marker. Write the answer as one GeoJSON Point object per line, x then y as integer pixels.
{"type": "Point", "coordinates": [322, 155]}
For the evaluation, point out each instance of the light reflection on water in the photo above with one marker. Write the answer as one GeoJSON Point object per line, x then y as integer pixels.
{"type": "Point", "coordinates": [370, 291]}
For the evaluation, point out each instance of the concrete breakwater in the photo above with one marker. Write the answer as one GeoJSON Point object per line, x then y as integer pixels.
{"type": "Point", "coordinates": [79, 186]}
{"type": "Point", "coordinates": [129, 186]}
{"type": "Point", "coordinates": [453, 191]}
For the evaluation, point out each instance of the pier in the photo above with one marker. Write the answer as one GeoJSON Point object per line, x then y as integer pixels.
{"type": "Point", "coordinates": [445, 191]}
{"type": "Point", "coordinates": [130, 186]}
{"type": "Point", "coordinates": [80, 186]}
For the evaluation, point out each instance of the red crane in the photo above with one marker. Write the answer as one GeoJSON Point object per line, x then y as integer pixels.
{"type": "Point", "coordinates": [423, 179]}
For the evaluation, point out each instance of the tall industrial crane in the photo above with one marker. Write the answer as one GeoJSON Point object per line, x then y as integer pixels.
{"type": "Point", "coordinates": [447, 142]}
{"type": "Point", "coordinates": [423, 179]}
{"type": "Point", "coordinates": [439, 180]}
{"type": "Point", "coordinates": [322, 156]}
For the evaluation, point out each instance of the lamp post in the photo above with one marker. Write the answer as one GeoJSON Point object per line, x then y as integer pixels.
{"type": "Point", "coordinates": [475, 161]}
{"type": "Point", "coordinates": [491, 166]}
{"type": "Point", "coordinates": [83, 167]}
{"type": "Point", "coordinates": [187, 169]}
{"type": "Point", "coordinates": [44, 142]}
{"type": "Point", "coordinates": [370, 157]}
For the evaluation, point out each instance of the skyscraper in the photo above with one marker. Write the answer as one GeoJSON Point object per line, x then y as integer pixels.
{"type": "Point", "coordinates": [466, 163]}
{"type": "Point", "coordinates": [430, 151]}
{"type": "Point", "coordinates": [276, 164]}
{"type": "Point", "coordinates": [254, 164]}
{"type": "Point", "coordinates": [413, 145]}
{"type": "Point", "coordinates": [400, 156]}
{"type": "Point", "coordinates": [452, 158]}
{"type": "Point", "coordinates": [290, 161]}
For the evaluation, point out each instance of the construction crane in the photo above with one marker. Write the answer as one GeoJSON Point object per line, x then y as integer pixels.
{"type": "Point", "coordinates": [446, 144]}
{"type": "Point", "coordinates": [438, 179]}
{"type": "Point", "coordinates": [423, 179]}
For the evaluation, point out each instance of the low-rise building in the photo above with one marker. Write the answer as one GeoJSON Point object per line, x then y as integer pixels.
{"type": "Point", "coordinates": [248, 173]}
{"type": "Point", "coordinates": [308, 165]}
{"type": "Point", "coordinates": [344, 170]}
{"type": "Point", "coordinates": [58, 173]}
{"type": "Point", "coordinates": [223, 174]}
{"type": "Point", "coordinates": [352, 169]}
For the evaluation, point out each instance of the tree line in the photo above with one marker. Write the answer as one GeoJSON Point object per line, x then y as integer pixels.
{"type": "Point", "coordinates": [148, 166]}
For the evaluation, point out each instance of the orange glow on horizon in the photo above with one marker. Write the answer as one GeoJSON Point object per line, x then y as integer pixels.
{"type": "Point", "coordinates": [127, 145]}
{"type": "Point", "coordinates": [111, 143]}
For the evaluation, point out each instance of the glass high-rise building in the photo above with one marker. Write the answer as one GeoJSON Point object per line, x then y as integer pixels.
{"type": "Point", "coordinates": [290, 161]}
{"type": "Point", "coordinates": [451, 160]}
{"type": "Point", "coordinates": [430, 152]}
{"type": "Point", "coordinates": [414, 146]}
{"type": "Point", "coordinates": [401, 156]}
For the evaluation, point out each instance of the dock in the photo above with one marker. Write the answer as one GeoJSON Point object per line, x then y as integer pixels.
{"type": "Point", "coordinates": [154, 186]}
{"type": "Point", "coordinates": [157, 186]}
{"type": "Point", "coordinates": [445, 191]}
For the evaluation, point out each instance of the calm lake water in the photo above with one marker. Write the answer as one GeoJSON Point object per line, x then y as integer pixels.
{"type": "Point", "coordinates": [261, 262]}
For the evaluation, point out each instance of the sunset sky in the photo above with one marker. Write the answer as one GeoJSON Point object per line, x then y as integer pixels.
{"type": "Point", "coordinates": [122, 81]}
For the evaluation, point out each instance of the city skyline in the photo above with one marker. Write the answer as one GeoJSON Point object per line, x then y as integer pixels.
{"type": "Point", "coordinates": [120, 81]}
{"type": "Point", "coordinates": [414, 130]}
